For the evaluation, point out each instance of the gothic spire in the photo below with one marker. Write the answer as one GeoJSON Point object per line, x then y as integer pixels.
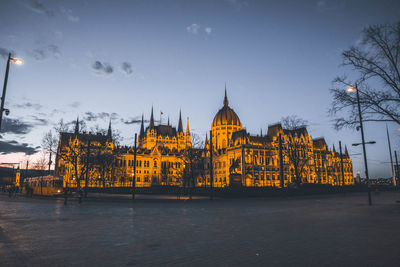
{"type": "Point", "coordinates": [180, 127]}
{"type": "Point", "coordinates": [345, 151]}
{"type": "Point", "coordinates": [77, 125]}
{"type": "Point", "coordinates": [187, 127]}
{"type": "Point", "coordinates": [333, 148]}
{"type": "Point", "coordinates": [109, 132]}
{"type": "Point", "coordinates": [226, 102]}
{"type": "Point", "coordinates": [151, 118]}
{"type": "Point", "coordinates": [141, 128]}
{"type": "Point", "coordinates": [168, 121]}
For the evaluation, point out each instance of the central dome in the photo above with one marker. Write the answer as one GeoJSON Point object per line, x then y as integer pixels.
{"type": "Point", "coordinates": [226, 116]}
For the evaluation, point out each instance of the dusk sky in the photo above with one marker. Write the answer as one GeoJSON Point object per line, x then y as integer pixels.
{"type": "Point", "coordinates": [96, 59]}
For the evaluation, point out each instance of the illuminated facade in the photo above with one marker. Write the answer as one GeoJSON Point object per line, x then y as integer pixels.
{"type": "Point", "coordinates": [160, 157]}
{"type": "Point", "coordinates": [279, 158]}
{"type": "Point", "coordinates": [254, 160]}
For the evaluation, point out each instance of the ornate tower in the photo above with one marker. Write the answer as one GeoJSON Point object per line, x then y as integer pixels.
{"type": "Point", "coordinates": [224, 124]}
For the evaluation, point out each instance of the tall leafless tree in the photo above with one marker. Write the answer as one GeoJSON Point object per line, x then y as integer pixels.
{"type": "Point", "coordinates": [296, 148]}
{"type": "Point", "coordinates": [192, 158]}
{"type": "Point", "coordinates": [49, 145]}
{"type": "Point", "coordinates": [375, 70]}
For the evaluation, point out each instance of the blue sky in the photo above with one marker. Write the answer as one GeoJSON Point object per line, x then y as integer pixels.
{"type": "Point", "coordinates": [277, 58]}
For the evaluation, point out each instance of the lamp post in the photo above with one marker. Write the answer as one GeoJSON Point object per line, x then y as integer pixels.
{"type": "Point", "coordinates": [3, 96]}
{"type": "Point", "coordinates": [134, 169]}
{"type": "Point", "coordinates": [351, 89]}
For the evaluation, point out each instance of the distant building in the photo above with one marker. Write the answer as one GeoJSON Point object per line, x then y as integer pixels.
{"type": "Point", "coordinates": [165, 156]}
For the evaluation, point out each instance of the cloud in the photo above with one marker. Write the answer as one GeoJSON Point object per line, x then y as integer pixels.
{"type": "Point", "coordinates": [92, 116]}
{"type": "Point", "coordinates": [38, 7]}
{"type": "Point", "coordinates": [8, 147]}
{"type": "Point", "coordinates": [28, 105]}
{"type": "Point", "coordinates": [126, 68]}
{"type": "Point", "coordinates": [193, 29]}
{"type": "Point", "coordinates": [324, 5]}
{"type": "Point", "coordinates": [39, 120]}
{"type": "Point", "coordinates": [47, 52]}
{"type": "Point", "coordinates": [58, 34]}
{"type": "Point", "coordinates": [75, 104]}
{"type": "Point", "coordinates": [237, 4]}
{"type": "Point", "coordinates": [68, 13]}
{"type": "Point", "coordinates": [134, 120]}
{"type": "Point", "coordinates": [208, 30]}
{"type": "Point", "coordinates": [15, 126]}
{"type": "Point", "coordinates": [102, 68]}
{"type": "Point", "coordinates": [4, 52]}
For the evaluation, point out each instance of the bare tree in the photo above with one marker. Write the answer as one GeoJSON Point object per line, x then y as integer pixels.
{"type": "Point", "coordinates": [296, 148]}
{"type": "Point", "coordinates": [376, 65]}
{"type": "Point", "coordinates": [49, 145]}
{"type": "Point", "coordinates": [40, 163]}
{"type": "Point", "coordinates": [197, 141]}
{"type": "Point", "coordinates": [194, 162]}
{"type": "Point", "coordinates": [61, 126]}
{"type": "Point", "coordinates": [293, 122]}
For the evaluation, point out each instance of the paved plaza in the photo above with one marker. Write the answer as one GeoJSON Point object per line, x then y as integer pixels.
{"type": "Point", "coordinates": [333, 230]}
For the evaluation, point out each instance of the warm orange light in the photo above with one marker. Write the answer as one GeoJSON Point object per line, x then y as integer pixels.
{"type": "Point", "coordinates": [350, 89]}
{"type": "Point", "coordinates": [18, 61]}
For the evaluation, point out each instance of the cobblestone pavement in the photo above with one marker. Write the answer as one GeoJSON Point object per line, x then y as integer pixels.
{"type": "Point", "coordinates": [336, 230]}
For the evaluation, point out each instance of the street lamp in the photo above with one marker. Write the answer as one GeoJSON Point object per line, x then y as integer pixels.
{"type": "Point", "coordinates": [3, 96]}
{"type": "Point", "coordinates": [352, 89]}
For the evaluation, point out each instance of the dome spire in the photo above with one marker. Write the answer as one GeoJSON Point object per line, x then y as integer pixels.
{"type": "Point", "coordinates": [226, 102]}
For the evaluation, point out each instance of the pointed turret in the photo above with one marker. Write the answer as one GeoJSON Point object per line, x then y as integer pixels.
{"type": "Point", "coordinates": [226, 102]}
{"type": "Point", "coordinates": [333, 148]}
{"type": "Point", "coordinates": [141, 134]}
{"type": "Point", "coordinates": [261, 132]}
{"type": "Point", "coordinates": [151, 118]}
{"type": "Point", "coordinates": [188, 138]}
{"type": "Point", "coordinates": [345, 151]}
{"type": "Point", "coordinates": [206, 142]}
{"type": "Point", "coordinates": [187, 127]}
{"type": "Point", "coordinates": [168, 121]}
{"type": "Point", "coordinates": [109, 132]}
{"type": "Point", "coordinates": [180, 127]}
{"type": "Point", "coordinates": [77, 125]}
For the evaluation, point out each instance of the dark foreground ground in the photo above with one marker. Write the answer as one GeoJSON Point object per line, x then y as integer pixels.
{"type": "Point", "coordinates": [334, 230]}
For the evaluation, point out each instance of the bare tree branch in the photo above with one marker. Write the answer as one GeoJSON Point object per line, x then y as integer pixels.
{"type": "Point", "coordinates": [376, 61]}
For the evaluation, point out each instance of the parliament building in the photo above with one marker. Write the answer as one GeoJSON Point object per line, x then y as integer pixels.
{"type": "Point", "coordinates": [165, 157]}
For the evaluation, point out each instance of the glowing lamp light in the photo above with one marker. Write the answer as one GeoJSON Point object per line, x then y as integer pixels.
{"type": "Point", "coordinates": [18, 61]}
{"type": "Point", "coordinates": [350, 89]}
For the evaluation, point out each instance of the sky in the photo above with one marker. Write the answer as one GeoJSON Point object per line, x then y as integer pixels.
{"type": "Point", "coordinates": [103, 60]}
